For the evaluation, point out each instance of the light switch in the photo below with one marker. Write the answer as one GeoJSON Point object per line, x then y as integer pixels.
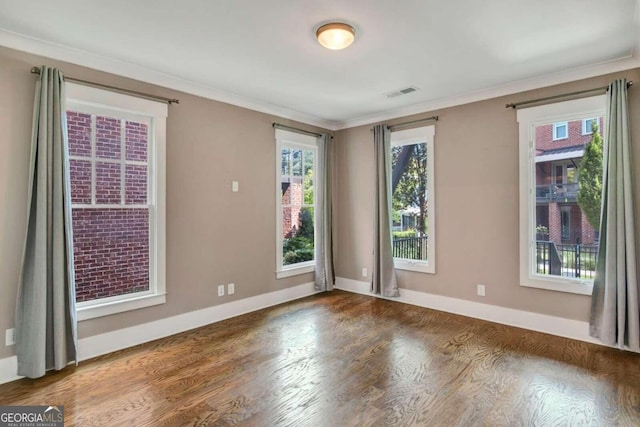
{"type": "Point", "coordinates": [234, 186]}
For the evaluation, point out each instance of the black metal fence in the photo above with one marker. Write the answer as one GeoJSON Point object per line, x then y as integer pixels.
{"type": "Point", "coordinates": [577, 261]}
{"type": "Point", "coordinates": [411, 248]}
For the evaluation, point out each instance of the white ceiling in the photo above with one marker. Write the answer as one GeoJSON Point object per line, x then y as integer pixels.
{"type": "Point", "coordinates": [263, 54]}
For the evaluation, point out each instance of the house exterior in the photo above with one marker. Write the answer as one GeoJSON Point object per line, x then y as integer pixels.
{"type": "Point", "coordinates": [559, 150]}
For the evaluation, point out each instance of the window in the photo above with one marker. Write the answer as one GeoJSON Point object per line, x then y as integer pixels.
{"type": "Point", "coordinates": [116, 159]}
{"type": "Point", "coordinates": [413, 200]}
{"type": "Point", "coordinates": [560, 131]}
{"type": "Point", "coordinates": [558, 245]}
{"type": "Point", "coordinates": [587, 126]}
{"type": "Point", "coordinates": [296, 171]}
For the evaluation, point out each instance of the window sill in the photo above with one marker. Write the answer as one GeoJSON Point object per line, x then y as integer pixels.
{"type": "Point", "coordinates": [295, 271]}
{"type": "Point", "coordinates": [418, 266]}
{"type": "Point", "coordinates": [560, 285]}
{"type": "Point", "coordinates": [112, 307]}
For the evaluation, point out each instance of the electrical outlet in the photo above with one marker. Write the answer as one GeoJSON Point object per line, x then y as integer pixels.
{"type": "Point", "coordinates": [235, 186]}
{"type": "Point", "coordinates": [10, 337]}
{"type": "Point", "coordinates": [231, 288]}
{"type": "Point", "coordinates": [364, 271]}
{"type": "Point", "coordinates": [220, 290]}
{"type": "Point", "coordinates": [481, 290]}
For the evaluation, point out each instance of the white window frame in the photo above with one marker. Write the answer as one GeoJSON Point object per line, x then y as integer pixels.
{"type": "Point", "coordinates": [555, 130]}
{"type": "Point", "coordinates": [528, 119]}
{"type": "Point", "coordinates": [85, 99]}
{"type": "Point", "coordinates": [421, 135]}
{"type": "Point", "coordinates": [584, 125]}
{"type": "Point", "coordinates": [304, 142]}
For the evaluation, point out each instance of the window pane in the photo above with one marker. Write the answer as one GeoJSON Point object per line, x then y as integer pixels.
{"type": "Point", "coordinates": [136, 184]}
{"type": "Point", "coordinates": [308, 164]}
{"type": "Point", "coordinates": [79, 131]}
{"type": "Point", "coordinates": [410, 202]}
{"type": "Point", "coordinates": [286, 191]}
{"type": "Point", "coordinates": [562, 131]}
{"type": "Point", "coordinates": [285, 161]}
{"type": "Point", "coordinates": [298, 235]}
{"type": "Point", "coordinates": [566, 243]}
{"type": "Point", "coordinates": [295, 244]}
{"type": "Point", "coordinates": [110, 251]}
{"type": "Point", "coordinates": [136, 141]}
{"type": "Point", "coordinates": [308, 191]}
{"type": "Point", "coordinates": [296, 192]}
{"type": "Point", "coordinates": [108, 183]}
{"type": "Point", "coordinates": [107, 138]}
{"type": "Point", "coordinates": [297, 162]}
{"type": "Point", "coordinates": [288, 223]}
{"type": "Point", "coordinates": [80, 177]}
{"type": "Point", "coordinates": [589, 126]}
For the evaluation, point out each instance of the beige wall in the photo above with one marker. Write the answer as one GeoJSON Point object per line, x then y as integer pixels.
{"type": "Point", "coordinates": [477, 208]}
{"type": "Point", "coordinates": [214, 236]}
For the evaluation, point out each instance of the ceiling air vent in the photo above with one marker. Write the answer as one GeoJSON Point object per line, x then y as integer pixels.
{"type": "Point", "coordinates": [404, 91]}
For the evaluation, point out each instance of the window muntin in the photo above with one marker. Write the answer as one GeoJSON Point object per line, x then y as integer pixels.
{"type": "Point", "coordinates": [557, 245]}
{"type": "Point", "coordinates": [413, 199]}
{"type": "Point", "coordinates": [116, 159]}
{"type": "Point", "coordinates": [297, 176]}
{"type": "Point", "coordinates": [560, 131]}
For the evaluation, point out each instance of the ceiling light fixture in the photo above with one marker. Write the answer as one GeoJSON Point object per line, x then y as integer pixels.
{"type": "Point", "coordinates": [336, 35]}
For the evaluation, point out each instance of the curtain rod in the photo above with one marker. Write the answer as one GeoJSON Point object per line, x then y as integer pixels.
{"type": "Point", "coordinates": [412, 122]}
{"type": "Point", "coordinates": [36, 70]}
{"type": "Point", "coordinates": [298, 130]}
{"type": "Point", "coordinates": [515, 105]}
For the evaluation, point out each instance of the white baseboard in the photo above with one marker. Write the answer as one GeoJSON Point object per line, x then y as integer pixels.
{"type": "Point", "coordinates": [98, 345]}
{"type": "Point", "coordinates": [8, 369]}
{"type": "Point", "coordinates": [553, 325]}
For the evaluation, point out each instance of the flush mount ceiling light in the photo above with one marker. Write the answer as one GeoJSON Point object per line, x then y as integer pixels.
{"type": "Point", "coordinates": [336, 35]}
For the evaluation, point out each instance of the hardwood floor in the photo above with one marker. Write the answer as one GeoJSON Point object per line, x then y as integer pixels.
{"type": "Point", "coordinates": [340, 359]}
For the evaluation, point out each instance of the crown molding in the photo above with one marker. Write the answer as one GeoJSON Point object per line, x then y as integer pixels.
{"type": "Point", "coordinates": [566, 76]}
{"type": "Point", "coordinates": [620, 64]}
{"type": "Point", "coordinates": [134, 71]}
{"type": "Point", "coordinates": [137, 72]}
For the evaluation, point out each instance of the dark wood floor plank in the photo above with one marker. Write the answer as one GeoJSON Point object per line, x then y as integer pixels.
{"type": "Point", "coordinates": [341, 359]}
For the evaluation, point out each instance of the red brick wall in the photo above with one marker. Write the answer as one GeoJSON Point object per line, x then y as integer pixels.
{"type": "Point", "coordinates": [580, 229]}
{"type": "Point", "coordinates": [79, 128]}
{"type": "Point", "coordinates": [544, 136]}
{"type": "Point", "coordinates": [292, 200]}
{"type": "Point", "coordinates": [136, 141]}
{"type": "Point", "coordinates": [111, 244]}
{"type": "Point", "coordinates": [555, 226]}
{"type": "Point", "coordinates": [110, 252]}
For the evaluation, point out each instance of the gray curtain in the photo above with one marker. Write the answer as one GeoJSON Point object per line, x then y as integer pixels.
{"type": "Point", "coordinates": [324, 229]}
{"type": "Point", "coordinates": [615, 309]}
{"type": "Point", "coordinates": [45, 313]}
{"type": "Point", "coordinates": [383, 275]}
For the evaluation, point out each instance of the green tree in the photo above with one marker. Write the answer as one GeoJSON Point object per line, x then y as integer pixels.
{"type": "Point", "coordinates": [411, 187]}
{"type": "Point", "coordinates": [590, 179]}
